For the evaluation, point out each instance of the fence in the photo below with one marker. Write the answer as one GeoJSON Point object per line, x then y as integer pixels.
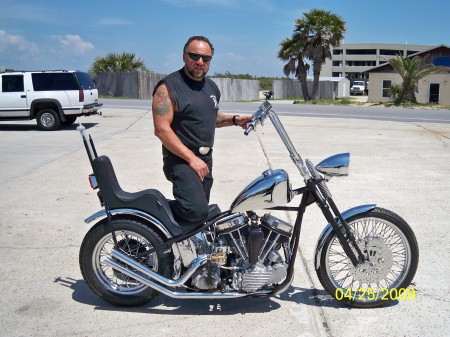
{"type": "Point", "coordinates": [140, 85]}
{"type": "Point", "coordinates": [329, 88]}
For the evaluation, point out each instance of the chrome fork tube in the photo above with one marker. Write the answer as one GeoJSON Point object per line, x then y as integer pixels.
{"type": "Point", "coordinates": [298, 161]}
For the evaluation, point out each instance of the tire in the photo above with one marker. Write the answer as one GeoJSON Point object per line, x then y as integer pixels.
{"type": "Point", "coordinates": [48, 120]}
{"type": "Point", "coordinates": [394, 254]}
{"type": "Point", "coordinates": [112, 286]}
{"type": "Point", "coordinates": [69, 120]}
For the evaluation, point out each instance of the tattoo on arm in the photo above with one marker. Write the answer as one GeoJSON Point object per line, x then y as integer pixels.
{"type": "Point", "coordinates": [162, 108]}
{"type": "Point", "coordinates": [162, 102]}
{"type": "Point", "coordinates": [220, 119]}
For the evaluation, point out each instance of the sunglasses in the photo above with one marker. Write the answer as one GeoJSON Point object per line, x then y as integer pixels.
{"type": "Point", "coordinates": [196, 57]}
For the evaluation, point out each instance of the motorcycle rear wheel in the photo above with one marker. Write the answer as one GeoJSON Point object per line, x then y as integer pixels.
{"type": "Point", "coordinates": [133, 237]}
{"type": "Point", "coordinates": [393, 254]}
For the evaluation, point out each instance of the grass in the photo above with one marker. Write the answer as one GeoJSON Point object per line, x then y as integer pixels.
{"type": "Point", "coordinates": [351, 101]}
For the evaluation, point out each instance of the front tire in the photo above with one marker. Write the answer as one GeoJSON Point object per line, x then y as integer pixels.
{"type": "Point", "coordinates": [133, 237]}
{"type": "Point", "coordinates": [393, 254]}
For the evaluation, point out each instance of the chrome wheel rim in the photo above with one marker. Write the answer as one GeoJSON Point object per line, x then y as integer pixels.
{"type": "Point", "coordinates": [47, 119]}
{"type": "Point", "coordinates": [130, 243]}
{"type": "Point", "coordinates": [389, 256]}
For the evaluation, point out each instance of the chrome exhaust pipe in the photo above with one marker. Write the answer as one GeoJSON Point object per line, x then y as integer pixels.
{"type": "Point", "coordinates": [196, 263]}
{"type": "Point", "coordinates": [151, 274]}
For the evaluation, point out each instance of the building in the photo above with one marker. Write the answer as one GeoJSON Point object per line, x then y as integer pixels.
{"type": "Point", "coordinates": [434, 88]}
{"type": "Point", "coordinates": [351, 60]}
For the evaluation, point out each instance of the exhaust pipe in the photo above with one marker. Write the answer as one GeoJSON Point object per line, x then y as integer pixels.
{"type": "Point", "coordinates": [151, 275]}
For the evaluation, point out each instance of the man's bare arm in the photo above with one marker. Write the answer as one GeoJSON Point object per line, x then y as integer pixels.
{"type": "Point", "coordinates": [163, 111]}
{"type": "Point", "coordinates": [227, 120]}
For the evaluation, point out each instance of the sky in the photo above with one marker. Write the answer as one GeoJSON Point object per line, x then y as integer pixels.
{"type": "Point", "coordinates": [246, 34]}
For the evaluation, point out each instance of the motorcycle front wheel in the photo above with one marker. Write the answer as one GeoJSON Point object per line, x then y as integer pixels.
{"type": "Point", "coordinates": [133, 238]}
{"type": "Point", "coordinates": [393, 255]}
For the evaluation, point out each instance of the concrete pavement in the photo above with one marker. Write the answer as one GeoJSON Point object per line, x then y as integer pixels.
{"type": "Point", "coordinates": [401, 166]}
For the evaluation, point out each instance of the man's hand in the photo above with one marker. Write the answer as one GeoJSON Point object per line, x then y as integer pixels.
{"type": "Point", "coordinates": [243, 120]}
{"type": "Point", "coordinates": [199, 167]}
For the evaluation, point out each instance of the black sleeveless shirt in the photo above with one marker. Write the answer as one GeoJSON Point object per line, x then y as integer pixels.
{"type": "Point", "coordinates": [198, 103]}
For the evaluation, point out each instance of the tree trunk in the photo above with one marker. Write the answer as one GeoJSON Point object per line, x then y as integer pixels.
{"type": "Point", "coordinates": [317, 67]}
{"type": "Point", "coordinates": [301, 76]}
{"type": "Point", "coordinates": [409, 95]}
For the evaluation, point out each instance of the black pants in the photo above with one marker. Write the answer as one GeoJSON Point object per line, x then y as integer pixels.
{"type": "Point", "coordinates": [191, 195]}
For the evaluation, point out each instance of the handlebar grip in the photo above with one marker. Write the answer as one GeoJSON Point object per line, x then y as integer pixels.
{"type": "Point", "coordinates": [249, 129]}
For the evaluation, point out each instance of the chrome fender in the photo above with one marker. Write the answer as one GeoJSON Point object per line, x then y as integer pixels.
{"type": "Point", "coordinates": [133, 212]}
{"type": "Point", "coordinates": [329, 229]}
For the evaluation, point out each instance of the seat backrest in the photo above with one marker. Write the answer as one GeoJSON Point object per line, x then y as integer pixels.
{"type": "Point", "coordinates": [107, 179]}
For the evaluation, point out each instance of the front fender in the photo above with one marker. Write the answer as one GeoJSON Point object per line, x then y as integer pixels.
{"type": "Point", "coordinates": [134, 213]}
{"type": "Point", "coordinates": [329, 229]}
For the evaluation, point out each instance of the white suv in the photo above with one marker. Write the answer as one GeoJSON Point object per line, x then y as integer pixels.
{"type": "Point", "coordinates": [53, 98]}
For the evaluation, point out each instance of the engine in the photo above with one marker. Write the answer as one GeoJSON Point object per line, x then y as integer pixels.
{"type": "Point", "coordinates": [244, 253]}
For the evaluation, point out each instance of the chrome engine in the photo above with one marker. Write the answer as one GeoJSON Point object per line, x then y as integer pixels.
{"type": "Point", "coordinates": [243, 253]}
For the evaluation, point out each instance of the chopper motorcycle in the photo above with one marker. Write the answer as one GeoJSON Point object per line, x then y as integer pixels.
{"type": "Point", "coordinates": [137, 249]}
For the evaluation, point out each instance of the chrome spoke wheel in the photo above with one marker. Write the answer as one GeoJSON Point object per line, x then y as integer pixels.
{"type": "Point", "coordinates": [392, 256]}
{"type": "Point", "coordinates": [131, 244]}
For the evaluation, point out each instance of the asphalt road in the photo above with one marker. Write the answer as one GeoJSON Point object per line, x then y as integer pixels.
{"type": "Point", "coordinates": [286, 108]}
{"type": "Point", "coordinates": [44, 197]}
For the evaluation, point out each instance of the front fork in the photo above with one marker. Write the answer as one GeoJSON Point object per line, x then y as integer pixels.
{"type": "Point", "coordinates": [340, 226]}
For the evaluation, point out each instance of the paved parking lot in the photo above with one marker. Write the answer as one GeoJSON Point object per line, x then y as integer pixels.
{"type": "Point", "coordinates": [44, 198]}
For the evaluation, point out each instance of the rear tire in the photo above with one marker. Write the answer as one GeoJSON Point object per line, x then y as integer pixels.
{"type": "Point", "coordinates": [114, 287]}
{"type": "Point", "coordinates": [48, 120]}
{"type": "Point", "coordinates": [393, 252]}
{"type": "Point", "coordinates": [69, 120]}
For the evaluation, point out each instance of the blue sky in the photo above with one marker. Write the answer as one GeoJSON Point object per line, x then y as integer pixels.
{"type": "Point", "coordinates": [58, 34]}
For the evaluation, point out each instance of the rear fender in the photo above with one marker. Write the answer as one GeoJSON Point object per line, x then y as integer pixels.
{"type": "Point", "coordinates": [328, 230]}
{"type": "Point", "coordinates": [151, 220]}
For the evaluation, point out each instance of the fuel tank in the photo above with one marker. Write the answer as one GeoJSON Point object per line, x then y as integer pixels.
{"type": "Point", "coordinates": [272, 188]}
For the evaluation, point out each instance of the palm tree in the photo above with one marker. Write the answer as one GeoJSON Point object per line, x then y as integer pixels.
{"type": "Point", "coordinates": [411, 71]}
{"type": "Point", "coordinates": [292, 51]}
{"type": "Point", "coordinates": [312, 39]}
{"type": "Point", "coordinates": [117, 62]}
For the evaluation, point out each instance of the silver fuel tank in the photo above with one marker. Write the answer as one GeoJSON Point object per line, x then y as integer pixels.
{"type": "Point", "coordinates": [270, 189]}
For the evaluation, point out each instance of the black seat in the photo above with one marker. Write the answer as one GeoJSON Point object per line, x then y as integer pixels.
{"type": "Point", "coordinates": [150, 201]}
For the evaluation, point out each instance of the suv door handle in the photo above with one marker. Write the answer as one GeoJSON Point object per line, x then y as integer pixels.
{"type": "Point", "coordinates": [23, 96]}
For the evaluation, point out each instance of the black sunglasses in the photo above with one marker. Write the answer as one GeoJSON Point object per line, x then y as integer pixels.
{"type": "Point", "coordinates": [196, 57]}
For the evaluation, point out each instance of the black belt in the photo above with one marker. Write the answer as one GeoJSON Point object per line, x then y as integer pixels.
{"type": "Point", "coordinates": [201, 151]}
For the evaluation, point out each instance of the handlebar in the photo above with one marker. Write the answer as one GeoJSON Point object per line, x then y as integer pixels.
{"type": "Point", "coordinates": [258, 117]}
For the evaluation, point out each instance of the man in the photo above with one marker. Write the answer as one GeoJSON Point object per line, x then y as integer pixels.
{"type": "Point", "coordinates": [185, 114]}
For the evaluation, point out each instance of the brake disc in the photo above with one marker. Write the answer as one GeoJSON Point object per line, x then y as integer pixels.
{"type": "Point", "coordinates": [379, 264]}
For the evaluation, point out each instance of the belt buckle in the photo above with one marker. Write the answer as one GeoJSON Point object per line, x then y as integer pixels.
{"type": "Point", "coordinates": [203, 150]}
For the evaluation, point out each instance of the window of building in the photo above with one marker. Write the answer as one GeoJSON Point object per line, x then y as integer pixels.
{"type": "Point", "coordinates": [361, 52]}
{"type": "Point", "coordinates": [12, 83]}
{"type": "Point", "coordinates": [386, 88]}
{"type": "Point", "coordinates": [410, 52]}
{"type": "Point", "coordinates": [337, 52]}
{"type": "Point", "coordinates": [337, 63]}
{"type": "Point", "coordinates": [390, 52]}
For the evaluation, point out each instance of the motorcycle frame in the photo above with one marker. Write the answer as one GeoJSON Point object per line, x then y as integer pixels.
{"type": "Point", "coordinates": [310, 194]}
{"type": "Point", "coordinates": [326, 204]}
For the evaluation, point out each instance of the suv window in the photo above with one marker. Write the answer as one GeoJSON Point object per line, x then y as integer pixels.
{"type": "Point", "coordinates": [12, 83]}
{"type": "Point", "coordinates": [85, 80]}
{"type": "Point", "coordinates": [51, 82]}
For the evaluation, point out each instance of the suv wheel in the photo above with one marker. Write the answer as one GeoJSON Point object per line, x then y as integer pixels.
{"type": "Point", "coordinates": [48, 120]}
{"type": "Point", "coordinates": [69, 120]}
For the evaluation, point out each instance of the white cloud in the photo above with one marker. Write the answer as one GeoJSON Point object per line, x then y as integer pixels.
{"type": "Point", "coordinates": [16, 45]}
{"type": "Point", "coordinates": [74, 44]}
